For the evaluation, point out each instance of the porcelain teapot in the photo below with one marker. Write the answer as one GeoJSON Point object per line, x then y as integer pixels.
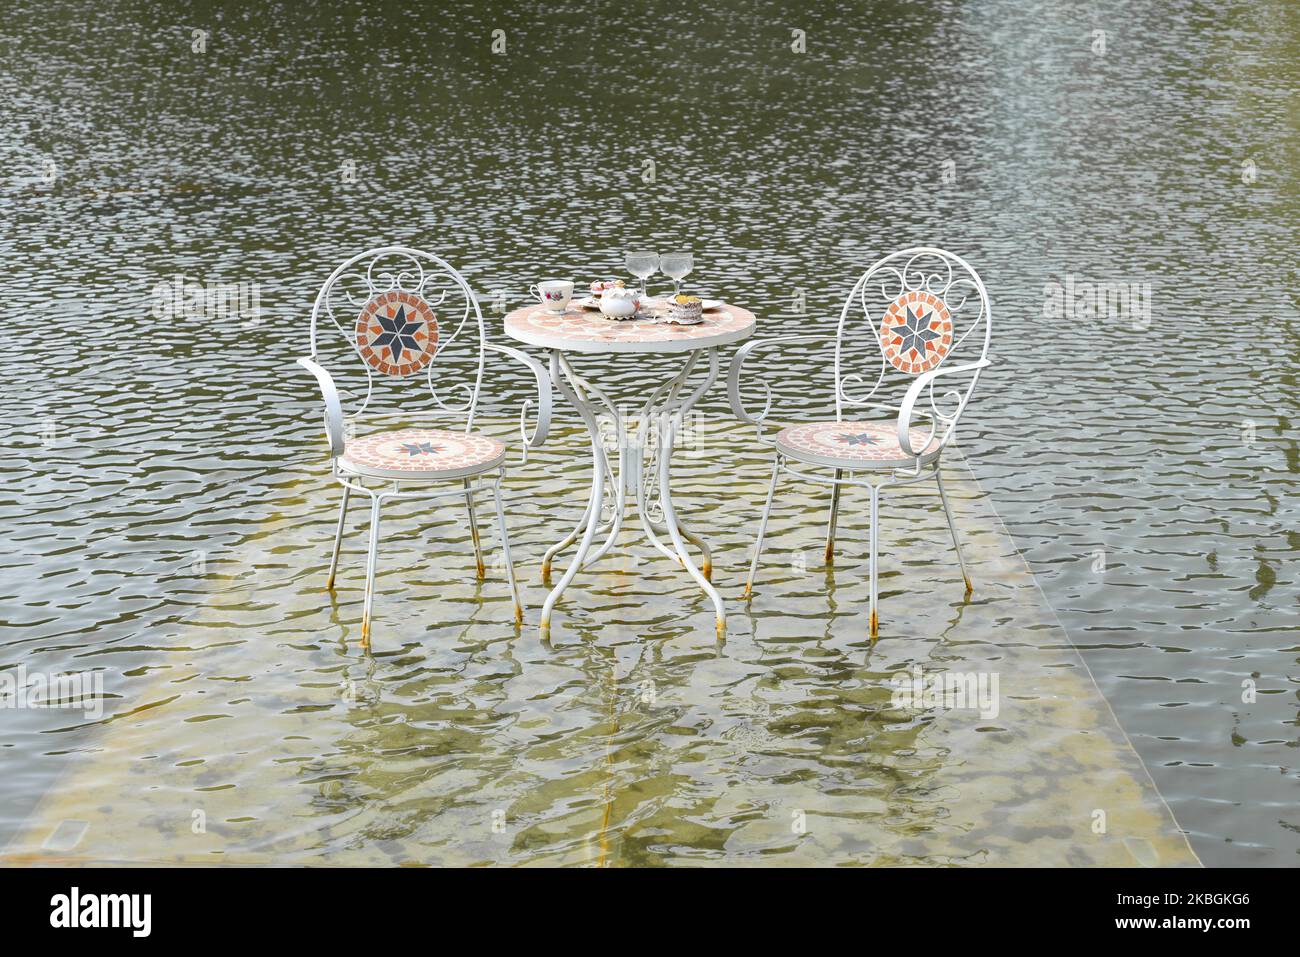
{"type": "Point", "coordinates": [619, 302]}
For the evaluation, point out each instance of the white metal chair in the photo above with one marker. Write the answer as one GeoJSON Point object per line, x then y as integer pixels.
{"type": "Point", "coordinates": [407, 313]}
{"type": "Point", "coordinates": [921, 306]}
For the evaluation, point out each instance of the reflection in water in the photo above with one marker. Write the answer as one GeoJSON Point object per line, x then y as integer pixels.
{"type": "Point", "coordinates": [631, 737]}
{"type": "Point", "coordinates": [167, 515]}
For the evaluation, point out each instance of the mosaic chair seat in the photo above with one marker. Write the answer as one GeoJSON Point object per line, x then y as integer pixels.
{"type": "Point", "coordinates": [853, 445]}
{"type": "Point", "coordinates": [422, 453]}
{"type": "Point", "coordinates": [405, 317]}
{"type": "Point", "coordinates": [903, 322]}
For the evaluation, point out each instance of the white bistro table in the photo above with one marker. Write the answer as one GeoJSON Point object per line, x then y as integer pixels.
{"type": "Point", "coordinates": [639, 471]}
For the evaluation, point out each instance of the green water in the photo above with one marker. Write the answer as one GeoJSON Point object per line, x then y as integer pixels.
{"type": "Point", "coordinates": [167, 508]}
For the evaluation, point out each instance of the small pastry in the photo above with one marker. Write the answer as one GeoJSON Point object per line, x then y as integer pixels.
{"type": "Point", "coordinates": [683, 308]}
{"type": "Point", "coordinates": [600, 285]}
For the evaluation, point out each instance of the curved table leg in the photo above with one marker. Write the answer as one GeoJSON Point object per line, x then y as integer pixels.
{"type": "Point", "coordinates": [655, 529]}
{"type": "Point", "coordinates": [580, 388]}
{"type": "Point", "coordinates": [674, 531]}
{"type": "Point", "coordinates": [632, 474]}
{"type": "Point", "coordinates": [679, 407]}
{"type": "Point", "coordinates": [652, 528]}
{"type": "Point", "coordinates": [620, 498]}
{"type": "Point", "coordinates": [706, 553]}
{"type": "Point", "coordinates": [616, 525]}
{"type": "Point", "coordinates": [599, 465]}
{"type": "Point", "coordinates": [563, 543]}
{"type": "Point", "coordinates": [586, 391]}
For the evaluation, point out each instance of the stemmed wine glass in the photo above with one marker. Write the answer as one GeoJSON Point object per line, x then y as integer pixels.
{"type": "Point", "coordinates": [643, 266]}
{"type": "Point", "coordinates": [676, 266]}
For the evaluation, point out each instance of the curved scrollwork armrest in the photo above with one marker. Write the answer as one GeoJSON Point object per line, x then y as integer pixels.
{"type": "Point", "coordinates": [333, 408]}
{"type": "Point", "coordinates": [544, 395]}
{"type": "Point", "coordinates": [733, 376]}
{"type": "Point", "coordinates": [914, 392]}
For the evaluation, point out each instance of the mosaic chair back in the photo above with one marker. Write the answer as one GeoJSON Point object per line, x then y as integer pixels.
{"type": "Point", "coordinates": [914, 316]}
{"type": "Point", "coordinates": [394, 317]}
{"type": "Point", "coordinates": [911, 317]}
{"type": "Point", "coordinates": [401, 316]}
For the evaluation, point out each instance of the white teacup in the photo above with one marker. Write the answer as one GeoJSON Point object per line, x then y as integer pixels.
{"type": "Point", "coordinates": [554, 294]}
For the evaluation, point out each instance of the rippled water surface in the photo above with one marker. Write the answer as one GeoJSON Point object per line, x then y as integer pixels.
{"type": "Point", "coordinates": [1128, 485]}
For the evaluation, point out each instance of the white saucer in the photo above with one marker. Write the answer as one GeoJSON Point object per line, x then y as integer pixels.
{"type": "Point", "coordinates": [648, 303]}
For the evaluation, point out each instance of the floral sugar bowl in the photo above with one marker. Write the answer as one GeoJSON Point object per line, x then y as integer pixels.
{"type": "Point", "coordinates": [619, 302]}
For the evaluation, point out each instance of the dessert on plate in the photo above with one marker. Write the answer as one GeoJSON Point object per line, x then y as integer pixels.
{"type": "Point", "coordinates": [685, 309]}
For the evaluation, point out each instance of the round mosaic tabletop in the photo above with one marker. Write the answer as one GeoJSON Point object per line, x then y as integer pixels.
{"type": "Point", "coordinates": [586, 330]}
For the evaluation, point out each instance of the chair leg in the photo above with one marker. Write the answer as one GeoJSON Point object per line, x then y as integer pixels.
{"type": "Point", "coordinates": [505, 551]}
{"type": "Point", "coordinates": [874, 561]}
{"type": "Point", "coordinates": [473, 531]}
{"type": "Point", "coordinates": [952, 527]}
{"type": "Point", "coordinates": [835, 511]}
{"type": "Point", "coordinates": [370, 569]}
{"type": "Point", "coordinates": [762, 527]}
{"type": "Point", "coordinates": [338, 538]}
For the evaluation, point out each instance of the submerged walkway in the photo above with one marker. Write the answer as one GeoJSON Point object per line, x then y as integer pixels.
{"type": "Point", "coordinates": [265, 735]}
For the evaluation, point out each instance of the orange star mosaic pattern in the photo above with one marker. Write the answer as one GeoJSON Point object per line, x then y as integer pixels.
{"type": "Point", "coordinates": [916, 332]}
{"type": "Point", "coordinates": [397, 333]}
